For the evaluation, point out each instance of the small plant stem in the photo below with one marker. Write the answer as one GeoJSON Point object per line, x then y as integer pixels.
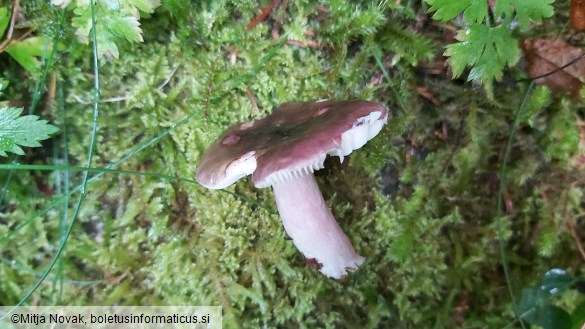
{"type": "Point", "coordinates": [501, 189]}
{"type": "Point", "coordinates": [65, 237]}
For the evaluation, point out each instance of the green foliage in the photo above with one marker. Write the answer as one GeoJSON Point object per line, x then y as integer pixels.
{"type": "Point", "coordinates": [116, 22]}
{"type": "Point", "coordinates": [525, 11]}
{"type": "Point", "coordinates": [28, 51]}
{"type": "Point", "coordinates": [487, 45]}
{"type": "Point", "coordinates": [476, 11]}
{"type": "Point", "coordinates": [418, 201]}
{"type": "Point", "coordinates": [535, 306]}
{"type": "Point", "coordinates": [473, 10]}
{"type": "Point", "coordinates": [539, 100]}
{"type": "Point", "coordinates": [353, 20]}
{"type": "Point", "coordinates": [562, 136]}
{"type": "Point", "coordinates": [578, 316]}
{"type": "Point", "coordinates": [408, 45]}
{"type": "Point", "coordinates": [403, 244]}
{"type": "Point", "coordinates": [4, 20]}
{"type": "Point", "coordinates": [488, 50]}
{"type": "Point", "coordinates": [3, 85]}
{"type": "Point", "coordinates": [18, 131]}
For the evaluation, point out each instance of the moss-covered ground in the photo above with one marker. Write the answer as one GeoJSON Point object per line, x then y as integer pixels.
{"type": "Point", "coordinates": [455, 210]}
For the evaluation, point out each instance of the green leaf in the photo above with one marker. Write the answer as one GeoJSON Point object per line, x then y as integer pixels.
{"type": "Point", "coordinates": [578, 316]}
{"type": "Point", "coordinates": [474, 11]}
{"type": "Point", "coordinates": [487, 50]}
{"type": "Point", "coordinates": [555, 282]}
{"type": "Point", "coordinates": [18, 131]}
{"type": "Point", "coordinates": [26, 52]}
{"type": "Point", "coordinates": [553, 317]}
{"type": "Point", "coordinates": [528, 304]}
{"type": "Point", "coordinates": [146, 6]}
{"type": "Point", "coordinates": [526, 11]}
{"type": "Point", "coordinates": [536, 310]}
{"type": "Point", "coordinates": [116, 22]}
{"type": "Point", "coordinates": [4, 20]}
{"type": "Point", "coordinates": [126, 27]}
{"type": "Point", "coordinates": [446, 9]}
{"type": "Point", "coordinates": [107, 45]}
{"type": "Point", "coordinates": [535, 307]}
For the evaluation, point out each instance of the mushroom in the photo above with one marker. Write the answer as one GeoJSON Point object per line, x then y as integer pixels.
{"type": "Point", "coordinates": [283, 150]}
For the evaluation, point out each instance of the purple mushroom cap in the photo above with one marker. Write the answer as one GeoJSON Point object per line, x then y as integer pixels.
{"type": "Point", "coordinates": [283, 150]}
{"type": "Point", "coordinates": [294, 139]}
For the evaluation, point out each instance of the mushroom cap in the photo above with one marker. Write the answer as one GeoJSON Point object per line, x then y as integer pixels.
{"type": "Point", "coordinates": [294, 140]}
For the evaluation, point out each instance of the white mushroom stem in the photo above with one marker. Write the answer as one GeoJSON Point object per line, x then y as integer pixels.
{"type": "Point", "coordinates": [312, 227]}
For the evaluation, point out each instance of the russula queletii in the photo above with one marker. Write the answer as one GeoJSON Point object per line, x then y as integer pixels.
{"type": "Point", "coordinates": [283, 150]}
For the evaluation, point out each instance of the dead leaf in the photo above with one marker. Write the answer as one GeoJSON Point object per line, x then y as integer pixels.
{"type": "Point", "coordinates": [425, 93]}
{"type": "Point", "coordinates": [555, 64]}
{"type": "Point", "coordinates": [578, 14]}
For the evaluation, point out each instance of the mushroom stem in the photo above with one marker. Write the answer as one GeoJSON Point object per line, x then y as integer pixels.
{"type": "Point", "coordinates": [312, 227]}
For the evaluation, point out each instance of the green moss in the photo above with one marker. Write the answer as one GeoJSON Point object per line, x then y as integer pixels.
{"type": "Point", "coordinates": [430, 242]}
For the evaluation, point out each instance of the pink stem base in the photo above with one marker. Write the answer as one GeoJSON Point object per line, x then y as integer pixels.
{"type": "Point", "coordinates": [312, 227]}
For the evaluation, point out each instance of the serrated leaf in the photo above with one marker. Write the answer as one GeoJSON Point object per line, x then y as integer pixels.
{"type": "Point", "coordinates": [526, 11]}
{"type": "Point", "coordinates": [116, 21]}
{"type": "Point", "coordinates": [124, 27]}
{"type": "Point", "coordinates": [26, 52]}
{"type": "Point", "coordinates": [82, 21]}
{"type": "Point", "coordinates": [146, 6]}
{"type": "Point", "coordinates": [447, 9]}
{"type": "Point", "coordinates": [107, 46]}
{"type": "Point", "coordinates": [4, 20]}
{"type": "Point", "coordinates": [16, 131]}
{"type": "Point", "coordinates": [487, 50]}
{"type": "Point", "coordinates": [474, 11]}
